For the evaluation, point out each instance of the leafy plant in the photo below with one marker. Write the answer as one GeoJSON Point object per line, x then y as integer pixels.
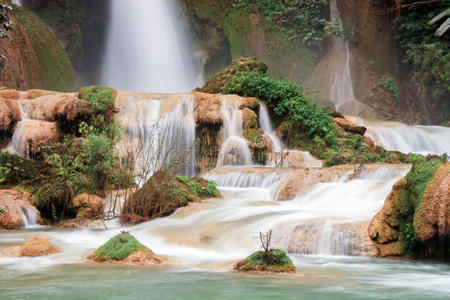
{"type": "Point", "coordinates": [390, 85]}
{"type": "Point", "coordinates": [100, 98]}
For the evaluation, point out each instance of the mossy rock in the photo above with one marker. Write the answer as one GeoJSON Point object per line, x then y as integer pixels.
{"type": "Point", "coordinates": [217, 83]}
{"type": "Point", "coordinates": [100, 98]}
{"type": "Point", "coordinates": [118, 247]}
{"type": "Point", "coordinates": [276, 261]}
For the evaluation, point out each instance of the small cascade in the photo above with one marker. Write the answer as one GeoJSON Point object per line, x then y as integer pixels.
{"type": "Point", "coordinates": [29, 218]}
{"type": "Point", "coordinates": [18, 141]}
{"type": "Point", "coordinates": [156, 138]}
{"type": "Point", "coordinates": [234, 150]}
{"type": "Point", "coordinates": [147, 49]}
{"type": "Point", "coordinates": [407, 139]}
{"type": "Point", "coordinates": [17, 2]}
{"type": "Point", "coordinates": [234, 177]}
{"type": "Point", "coordinates": [266, 124]}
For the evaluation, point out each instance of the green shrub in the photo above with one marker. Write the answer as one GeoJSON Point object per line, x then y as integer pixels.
{"type": "Point", "coordinates": [288, 100]}
{"type": "Point", "coordinates": [390, 84]}
{"type": "Point", "coordinates": [100, 98]}
{"type": "Point", "coordinates": [275, 257]}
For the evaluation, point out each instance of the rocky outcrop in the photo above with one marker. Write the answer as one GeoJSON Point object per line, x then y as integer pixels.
{"type": "Point", "coordinates": [9, 114]}
{"type": "Point", "coordinates": [34, 57]}
{"type": "Point", "coordinates": [124, 248]}
{"type": "Point", "coordinates": [39, 245]}
{"type": "Point", "coordinates": [349, 126]}
{"type": "Point", "coordinates": [31, 136]}
{"type": "Point", "coordinates": [15, 209]}
{"type": "Point", "coordinates": [89, 206]}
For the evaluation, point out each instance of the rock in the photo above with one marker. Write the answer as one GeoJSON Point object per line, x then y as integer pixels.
{"type": "Point", "coordinates": [14, 207]}
{"type": "Point", "coordinates": [38, 246]}
{"type": "Point", "coordinates": [89, 206]}
{"type": "Point", "coordinates": [432, 218]}
{"type": "Point", "coordinates": [256, 263]}
{"type": "Point", "coordinates": [126, 249]}
{"type": "Point", "coordinates": [208, 108]}
{"type": "Point", "coordinates": [32, 135]}
{"type": "Point", "coordinates": [81, 222]}
{"type": "Point", "coordinates": [9, 114]}
{"type": "Point", "coordinates": [349, 126]}
{"type": "Point", "coordinates": [55, 106]}
{"type": "Point", "coordinates": [383, 228]}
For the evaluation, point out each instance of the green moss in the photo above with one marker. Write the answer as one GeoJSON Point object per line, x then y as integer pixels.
{"type": "Point", "coordinates": [55, 70]}
{"type": "Point", "coordinates": [275, 257]}
{"type": "Point", "coordinates": [100, 98]}
{"type": "Point", "coordinates": [236, 26]}
{"type": "Point", "coordinates": [118, 248]}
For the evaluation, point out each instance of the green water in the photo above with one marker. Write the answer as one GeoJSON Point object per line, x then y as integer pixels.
{"type": "Point", "coordinates": [319, 278]}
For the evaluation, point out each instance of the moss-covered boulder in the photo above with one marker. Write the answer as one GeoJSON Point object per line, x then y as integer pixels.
{"type": "Point", "coordinates": [125, 248]}
{"type": "Point", "coordinates": [163, 193]}
{"type": "Point", "coordinates": [274, 261]}
{"type": "Point", "coordinates": [415, 219]}
{"type": "Point", "coordinates": [216, 83]}
{"type": "Point", "coordinates": [100, 99]}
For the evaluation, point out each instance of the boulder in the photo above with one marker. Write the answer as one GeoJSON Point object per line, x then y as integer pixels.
{"type": "Point", "coordinates": [15, 209]}
{"type": "Point", "coordinates": [9, 114]}
{"type": "Point", "coordinates": [39, 245]}
{"type": "Point", "coordinates": [89, 206]}
{"type": "Point", "coordinates": [126, 249]}
{"type": "Point", "coordinates": [275, 261]}
{"type": "Point", "coordinates": [349, 126]}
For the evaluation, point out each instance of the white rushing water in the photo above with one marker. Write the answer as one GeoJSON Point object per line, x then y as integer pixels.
{"type": "Point", "coordinates": [266, 124]}
{"type": "Point", "coordinates": [17, 2]}
{"type": "Point", "coordinates": [146, 49]}
{"type": "Point", "coordinates": [18, 142]}
{"type": "Point", "coordinates": [157, 137]}
{"type": "Point", "coordinates": [234, 149]}
{"type": "Point", "coordinates": [397, 136]}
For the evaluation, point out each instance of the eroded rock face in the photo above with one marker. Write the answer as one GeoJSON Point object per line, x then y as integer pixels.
{"type": "Point", "coordinates": [14, 206]}
{"type": "Point", "coordinates": [89, 206]}
{"type": "Point", "coordinates": [432, 218]}
{"type": "Point", "coordinates": [349, 126]}
{"type": "Point", "coordinates": [384, 227]}
{"type": "Point", "coordinates": [31, 136]}
{"type": "Point", "coordinates": [9, 114]}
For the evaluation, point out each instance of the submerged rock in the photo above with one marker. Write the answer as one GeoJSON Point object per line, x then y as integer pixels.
{"type": "Point", "coordinates": [276, 261]}
{"type": "Point", "coordinates": [38, 246]}
{"type": "Point", "coordinates": [127, 249]}
{"type": "Point", "coordinates": [15, 210]}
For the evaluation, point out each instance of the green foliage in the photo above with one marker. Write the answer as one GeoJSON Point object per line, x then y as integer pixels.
{"type": "Point", "coordinates": [118, 248]}
{"type": "Point", "coordinates": [275, 257]}
{"type": "Point", "coordinates": [100, 98]}
{"type": "Point", "coordinates": [390, 84]}
{"type": "Point", "coordinates": [428, 54]}
{"type": "Point", "coordinates": [288, 100]}
{"type": "Point", "coordinates": [296, 20]}
{"type": "Point", "coordinates": [200, 186]}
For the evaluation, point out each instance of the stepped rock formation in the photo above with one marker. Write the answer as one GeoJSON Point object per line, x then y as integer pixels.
{"type": "Point", "coordinates": [15, 208]}
{"type": "Point", "coordinates": [9, 115]}
{"type": "Point", "coordinates": [39, 245]}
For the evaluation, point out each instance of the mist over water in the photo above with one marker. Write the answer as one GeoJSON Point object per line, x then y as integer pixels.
{"type": "Point", "coordinates": [147, 49]}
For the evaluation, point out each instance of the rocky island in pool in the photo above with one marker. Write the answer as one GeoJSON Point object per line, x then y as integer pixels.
{"type": "Point", "coordinates": [205, 149]}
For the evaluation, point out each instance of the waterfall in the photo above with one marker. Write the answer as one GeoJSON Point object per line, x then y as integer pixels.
{"type": "Point", "coordinates": [146, 49]}
{"type": "Point", "coordinates": [17, 2]}
{"type": "Point", "coordinates": [29, 218]}
{"type": "Point", "coordinates": [158, 138]}
{"type": "Point", "coordinates": [266, 124]}
{"type": "Point", "coordinates": [18, 142]}
{"type": "Point", "coordinates": [340, 82]}
{"type": "Point", "coordinates": [407, 139]}
{"type": "Point", "coordinates": [234, 150]}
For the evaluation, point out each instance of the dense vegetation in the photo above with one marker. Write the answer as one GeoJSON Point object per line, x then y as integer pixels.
{"type": "Point", "coordinates": [427, 55]}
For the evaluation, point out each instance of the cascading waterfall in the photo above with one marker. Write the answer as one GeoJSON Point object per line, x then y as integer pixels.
{"type": "Point", "coordinates": [146, 49]}
{"type": "Point", "coordinates": [407, 139]}
{"type": "Point", "coordinates": [29, 218]}
{"type": "Point", "coordinates": [234, 150]}
{"type": "Point", "coordinates": [18, 144]}
{"type": "Point", "coordinates": [340, 82]}
{"type": "Point", "coordinates": [156, 138]}
{"type": "Point", "coordinates": [266, 124]}
{"type": "Point", "coordinates": [17, 2]}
